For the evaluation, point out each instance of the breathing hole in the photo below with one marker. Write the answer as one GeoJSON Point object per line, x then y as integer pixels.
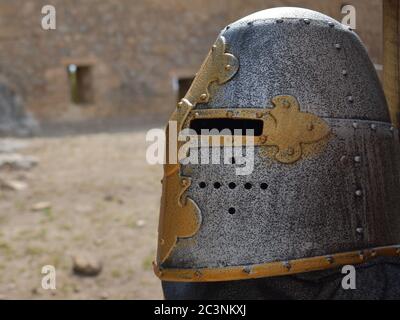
{"type": "Point", "coordinates": [232, 185]}
{"type": "Point", "coordinates": [202, 185]}
{"type": "Point", "coordinates": [248, 186]}
{"type": "Point", "coordinates": [232, 210]}
{"type": "Point", "coordinates": [264, 186]}
{"type": "Point", "coordinates": [217, 185]}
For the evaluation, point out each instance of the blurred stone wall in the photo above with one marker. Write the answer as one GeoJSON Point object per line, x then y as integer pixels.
{"type": "Point", "coordinates": [136, 49]}
{"type": "Point", "coordinates": [14, 120]}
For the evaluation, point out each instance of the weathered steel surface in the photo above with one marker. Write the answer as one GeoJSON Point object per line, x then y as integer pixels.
{"type": "Point", "coordinates": [310, 208]}
{"type": "Point", "coordinates": [288, 56]}
{"type": "Point", "coordinates": [343, 198]}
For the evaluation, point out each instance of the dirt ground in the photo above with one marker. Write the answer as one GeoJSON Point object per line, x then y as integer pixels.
{"type": "Point", "coordinates": [104, 202]}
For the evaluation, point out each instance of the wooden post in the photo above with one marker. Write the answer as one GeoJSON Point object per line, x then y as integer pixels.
{"type": "Point", "coordinates": [391, 57]}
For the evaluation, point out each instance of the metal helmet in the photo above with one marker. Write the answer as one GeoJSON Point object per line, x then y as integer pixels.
{"type": "Point", "coordinates": [324, 191]}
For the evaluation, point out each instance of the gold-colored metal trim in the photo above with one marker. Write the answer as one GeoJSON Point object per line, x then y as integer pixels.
{"type": "Point", "coordinates": [179, 215]}
{"type": "Point", "coordinates": [275, 269]}
{"type": "Point", "coordinates": [219, 67]}
{"type": "Point", "coordinates": [286, 127]}
{"type": "Point", "coordinates": [179, 218]}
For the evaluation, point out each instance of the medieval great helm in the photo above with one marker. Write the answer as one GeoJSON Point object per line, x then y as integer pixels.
{"type": "Point", "coordinates": [324, 191]}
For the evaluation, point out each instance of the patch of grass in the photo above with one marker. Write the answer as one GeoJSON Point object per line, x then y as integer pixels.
{"type": "Point", "coordinates": [34, 251]}
{"type": "Point", "coordinates": [79, 237]}
{"type": "Point", "coordinates": [3, 219]}
{"type": "Point", "coordinates": [131, 223]}
{"type": "Point", "coordinates": [6, 249]}
{"type": "Point", "coordinates": [20, 205]}
{"type": "Point", "coordinates": [100, 206]}
{"type": "Point", "coordinates": [24, 233]}
{"type": "Point", "coordinates": [55, 261]}
{"type": "Point", "coordinates": [29, 234]}
{"type": "Point", "coordinates": [22, 270]}
{"type": "Point", "coordinates": [40, 235]}
{"type": "Point", "coordinates": [147, 263]}
{"type": "Point", "coordinates": [66, 227]}
{"type": "Point", "coordinates": [67, 288]}
{"type": "Point", "coordinates": [48, 213]}
{"type": "Point", "coordinates": [116, 273]}
{"type": "Point", "coordinates": [130, 272]}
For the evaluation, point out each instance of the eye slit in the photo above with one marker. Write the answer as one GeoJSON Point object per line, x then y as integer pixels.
{"type": "Point", "coordinates": [248, 186]}
{"type": "Point", "coordinates": [234, 126]}
{"type": "Point", "coordinates": [202, 185]}
{"type": "Point", "coordinates": [264, 186]}
{"type": "Point", "coordinates": [232, 185]}
{"type": "Point", "coordinates": [233, 160]}
{"type": "Point", "coordinates": [232, 211]}
{"type": "Point", "coordinates": [217, 185]}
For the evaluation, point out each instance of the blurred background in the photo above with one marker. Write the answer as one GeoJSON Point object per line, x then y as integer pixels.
{"type": "Point", "coordinates": [75, 105]}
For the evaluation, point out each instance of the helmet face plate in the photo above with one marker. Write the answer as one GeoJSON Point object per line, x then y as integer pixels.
{"type": "Point", "coordinates": [284, 126]}
{"type": "Point", "coordinates": [324, 188]}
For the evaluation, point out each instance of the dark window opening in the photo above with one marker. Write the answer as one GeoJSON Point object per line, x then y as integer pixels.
{"type": "Point", "coordinates": [81, 84]}
{"type": "Point", "coordinates": [231, 124]}
{"type": "Point", "coordinates": [183, 87]}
